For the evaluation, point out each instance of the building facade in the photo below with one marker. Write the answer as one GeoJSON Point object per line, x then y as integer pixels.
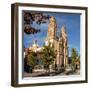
{"type": "Point", "coordinates": [60, 43]}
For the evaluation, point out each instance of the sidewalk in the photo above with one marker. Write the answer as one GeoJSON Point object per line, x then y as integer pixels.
{"type": "Point", "coordinates": [34, 74]}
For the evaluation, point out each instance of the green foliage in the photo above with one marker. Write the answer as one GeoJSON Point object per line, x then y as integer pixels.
{"type": "Point", "coordinates": [74, 55]}
{"type": "Point", "coordinates": [48, 56]}
{"type": "Point", "coordinates": [31, 59]}
{"type": "Point", "coordinates": [75, 58]}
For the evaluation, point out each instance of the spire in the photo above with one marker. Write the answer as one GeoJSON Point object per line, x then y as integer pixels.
{"type": "Point", "coordinates": [52, 28]}
{"type": "Point", "coordinates": [52, 19]}
{"type": "Point", "coordinates": [35, 43]}
{"type": "Point", "coordinates": [63, 29]}
{"type": "Point", "coordinates": [63, 33]}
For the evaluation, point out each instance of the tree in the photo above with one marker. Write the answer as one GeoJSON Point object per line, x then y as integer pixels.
{"type": "Point", "coordinates": [48, 56]}
{"type": "Point", "coordinates": [31, 60]}
{"type": "Point", "coordinates": [78, 62]}
{"type": "Point", "coordinates": [74, 56]}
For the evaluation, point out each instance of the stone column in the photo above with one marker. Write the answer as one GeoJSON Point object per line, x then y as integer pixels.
{"type": "Point", "coordinates": [64, 54]}
{"type": "Point", "coordinates": [58, 58]}
{"type": "Point", "coordinates": [61, 60]}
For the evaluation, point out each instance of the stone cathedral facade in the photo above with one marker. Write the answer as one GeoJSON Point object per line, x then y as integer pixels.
{"type": "Point", "coordinates": [60, 42]}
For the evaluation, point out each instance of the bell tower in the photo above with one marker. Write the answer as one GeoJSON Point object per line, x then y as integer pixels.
{"type": "Point", "coordinates": [65, 45]}
{"type": "Point", "coordinates": [52, 28]}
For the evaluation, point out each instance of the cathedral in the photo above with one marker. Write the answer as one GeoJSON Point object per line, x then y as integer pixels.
{"type": "Point", "coordinates": [60, 43]}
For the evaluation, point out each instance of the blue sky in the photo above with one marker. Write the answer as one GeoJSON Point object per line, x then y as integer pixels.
{"type": "Point", "coordinates": [70, 21]}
